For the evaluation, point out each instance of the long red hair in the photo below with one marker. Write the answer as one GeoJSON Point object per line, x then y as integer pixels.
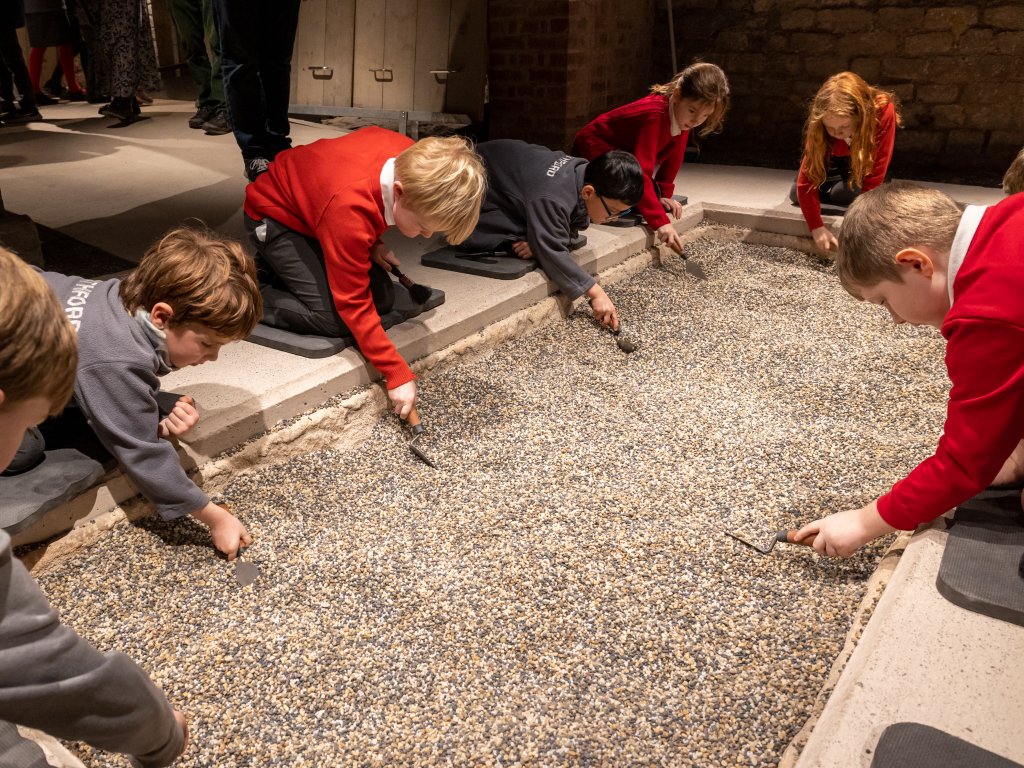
{"type": "Point", "coordinates": [845, 95]}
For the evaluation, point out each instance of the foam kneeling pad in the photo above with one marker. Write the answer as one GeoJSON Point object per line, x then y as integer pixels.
{"type": "Point", "coordinates": [315, 347]}
{"type": "Point", "coordinates": [499, 264]}
{"type": "Point", "coordinates": [62, 475]}
{"type": "Point", "coordinates": [912, 745]}
{"type": "Point", "coordinates": [980, 568]}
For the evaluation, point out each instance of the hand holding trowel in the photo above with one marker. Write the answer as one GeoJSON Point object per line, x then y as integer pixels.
{"type": "Point", "coordinates": [788, 537]}
{"type": "Point", "coordinates": [671, 239]}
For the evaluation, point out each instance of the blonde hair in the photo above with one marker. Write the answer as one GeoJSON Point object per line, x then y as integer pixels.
{"type": "Point", "coordinates": [702, 82]}
{"type": "Point", "coordinates": [881, 223]}
{"type": "Point", "coordinates": [205, 278]}
{"type": "Point", "coordinates": [38, 354]}
{"type": "Point", "coordinates": [846, 95]}
{"type": "Point", "coordinates": [443, 179]}
{"type": "Point", "coordinates": [1013, 181]}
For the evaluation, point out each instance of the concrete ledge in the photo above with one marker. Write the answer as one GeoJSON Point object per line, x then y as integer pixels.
{"type": "Point", "coordinates": [923, 659]}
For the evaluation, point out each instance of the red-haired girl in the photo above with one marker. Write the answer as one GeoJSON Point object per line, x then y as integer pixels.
{"type": "Point", "coordinates": [848, 139]}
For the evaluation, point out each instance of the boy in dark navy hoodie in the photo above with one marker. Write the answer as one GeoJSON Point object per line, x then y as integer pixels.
{"type": "Point", "coordinates": [538, 200]}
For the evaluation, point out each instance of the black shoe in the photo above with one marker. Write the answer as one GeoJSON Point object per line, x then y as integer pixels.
{"type": "Point", "coordinates": [254, 166]}
{"type": "Point", "coordinates": [120, 108]}
{"type": "Point", "coordinates": [7, 110]}
{"type": "Point", "coordinates": [218, 124]}
{"type": "Point", "coordinates": [42, 100]}
{"type": "Point", "coordinates": [201, 116]}
{"type": "Point", "coordinates": [136, 109]}
{"type": "Point", "coordinates": [76, 96]}
{"type": "Point", "coordinates": [24, 114]}
{"type": "Point", "coordinates": [57, 91]}
{"type": "Point", "coordinates": [99, 98]}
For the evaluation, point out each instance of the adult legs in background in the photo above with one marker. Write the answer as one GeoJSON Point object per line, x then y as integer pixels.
{"type": "Point", "coordinates": [256, 38]}
{"type": "Point", "coordinates": [10, 52]}
{"type": "Point", "coordinates": [196, 26]}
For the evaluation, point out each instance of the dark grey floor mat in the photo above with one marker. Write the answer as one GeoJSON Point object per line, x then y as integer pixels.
{"type": "Point", "coordinates": [912, 745]}
{"type": "Point", "coordinates": [61, 476]}
{"type": "Point", "coordinates": [500, 263]}
{"type": "Point", "coordinates": [324, 346]}
{"type": "Point", "coordinates": [18, 752]}
{"type": "Point", "coordinates": [980, 568]}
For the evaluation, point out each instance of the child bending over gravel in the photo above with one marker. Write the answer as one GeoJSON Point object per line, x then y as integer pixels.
{"type": "Point", "coordinates": [538, 200]}
{"type": "Point", "coordinates": [910, 250]}
{"type": "Point", "coordinates": [192, 293]}
{"type": "Point", "coordinates": [316, 217]}
{"type": "Point", "coordinates": [50, 678]}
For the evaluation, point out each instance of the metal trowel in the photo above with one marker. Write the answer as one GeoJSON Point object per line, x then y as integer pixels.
{"type": "Point", "coordinates": [789, 537]}
{"type": "Point", "coordinates": [417, 432]}
{"type": "Point", "coordinates": [622, 339]}
{"type": "Point", "coordinates": [693, 268]}
{"type": "Point", "coordinates": [246, 571]}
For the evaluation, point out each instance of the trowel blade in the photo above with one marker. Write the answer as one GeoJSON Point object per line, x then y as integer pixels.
{"type": "Point", "coordinates": [420, 454]}
{"type": "Point", "coordinates": [246, 573]}
{"type": "Point", "coordinates": [695, 269]}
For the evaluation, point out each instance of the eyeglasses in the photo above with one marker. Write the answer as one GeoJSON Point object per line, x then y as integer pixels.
{"type": "Point", "coordinates": [613, 216]}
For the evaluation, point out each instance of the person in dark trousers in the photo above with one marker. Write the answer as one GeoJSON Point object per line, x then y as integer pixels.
{"type": "Point", "coordinates": [12, 18]}
{"type": "Point", "coordinates": [256, 40]}
{"type": "Point", "coordinates": [196, 25]}
{"type": "Point", "coordinates": [538, 200]}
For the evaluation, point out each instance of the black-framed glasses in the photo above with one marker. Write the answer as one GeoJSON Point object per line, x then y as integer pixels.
{"type": "Point", "coordinates": [612, 216]}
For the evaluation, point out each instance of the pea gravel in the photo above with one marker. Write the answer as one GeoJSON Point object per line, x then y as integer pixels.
{"type": "Point", "coordinates": [560, 591]}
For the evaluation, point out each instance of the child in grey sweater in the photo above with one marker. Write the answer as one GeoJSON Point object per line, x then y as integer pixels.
{"type": "Point", "coordinates": [50, 678]}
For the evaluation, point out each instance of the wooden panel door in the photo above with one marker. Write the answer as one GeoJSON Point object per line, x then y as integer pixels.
{"type": "Point", "coordinates": [322, 57]}
{"type": "Point", "coordinates": [385, 54]}
{"type": "Point", "coordinates": [432, 25]}
{"type": "Point", "coordinates": [467, 56]}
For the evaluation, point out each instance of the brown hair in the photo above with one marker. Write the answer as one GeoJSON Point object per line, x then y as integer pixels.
{"type": "Point", "coordinates": [1013, 181]}
{"type": "Point", "coordinates": [38, 354]}
{"type": "Point", "coordinates": [881, 223]}
{"type": "Point", "coordinates": [205, 278]}
{"type": "Point", "coordinates": [845, 95]}
{"type": "Point", "coordinates": [443, 179]}
{"type": "Point", "coordinates": [703, 82]}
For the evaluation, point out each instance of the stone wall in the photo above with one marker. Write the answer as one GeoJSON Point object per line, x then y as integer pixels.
{"type": "Point", "coordinates": [555, 64]}
{"type": "Point", "coordinates": [958, 68]}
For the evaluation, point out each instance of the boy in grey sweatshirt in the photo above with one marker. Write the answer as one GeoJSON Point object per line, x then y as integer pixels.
{"type": "Point", "coordinates": [192, 293]}
{"type": "Point", "coordinates": [50, 678]}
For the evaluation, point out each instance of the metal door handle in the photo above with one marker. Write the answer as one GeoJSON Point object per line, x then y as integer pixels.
{"type": "Point", "coordinates": [322, 73]}
{"type": "Point", "coordinates": [382, 74]}
{"type": "Point", "coordinates": [441, 75]}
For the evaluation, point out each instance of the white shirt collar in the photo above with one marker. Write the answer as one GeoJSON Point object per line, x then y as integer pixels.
{"type": "Point", "coordinates": [387, 190]}
{"type": "Point", "coordinates": [969, 223]}
{"type": "Point", "coordinates": [673, 124]}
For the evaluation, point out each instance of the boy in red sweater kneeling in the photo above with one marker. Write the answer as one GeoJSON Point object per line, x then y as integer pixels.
{"type": "Point", "coordinates": [911, 250]}
{"type": "Point", "coordinates": [316, 217]}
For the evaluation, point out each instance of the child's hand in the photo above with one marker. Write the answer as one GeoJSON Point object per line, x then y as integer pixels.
{"type": "Point", "coordinates": [842, 534]}
{"type": "Point", "coordinates": [403, 398]}
{"type": "Point", "coordinates": [180, 420]}
{"type": "Point", "coordinates": [384, 257]}
{"type": "Point", "coordinates": [672, 207]}
{"type": "Point", "coordinates": [602, 307]}
{"type": "Point", "coordinates": [667, 235]}
{"type": "Point", "coordinates": [226, 530]}
{"type": "Point", "coordinates": [183, 722]}
{"type": "Point", "coordinates": [824, 239]}
{"type": "Point", "coordinates": [522, 249]}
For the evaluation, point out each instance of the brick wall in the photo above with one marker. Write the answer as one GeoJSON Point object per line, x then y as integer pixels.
{"type": "Point", "coordinates": [554, 64]}
{"type": "Point", "coordinates": [958, 68]}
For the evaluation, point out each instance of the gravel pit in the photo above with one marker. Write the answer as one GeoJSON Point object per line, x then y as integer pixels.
{"type": "Point", "coordinates": [560, 591]}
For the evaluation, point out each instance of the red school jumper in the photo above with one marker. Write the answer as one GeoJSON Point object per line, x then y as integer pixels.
{"type": "Point", "coordinates": [885, 137]}
{"type": "Point", "coordinates": [984, 331]}
{"type": "Point", "coordinates": [330, 191]}
{"type": "Point", "coordinates": [643, 127]}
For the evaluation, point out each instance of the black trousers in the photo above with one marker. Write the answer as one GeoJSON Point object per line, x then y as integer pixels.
{"type": "Point", "coordinates": [14, 60]}
{"type": "Point", "coordinates": [293, 280]}
{"type": "Point", "coordinates": [256, 41]}
{"type": "Point", "coordinates": [835, 189]}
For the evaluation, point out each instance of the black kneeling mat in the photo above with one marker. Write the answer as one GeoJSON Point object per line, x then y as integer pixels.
{"type": "Point", "coordinates": [499, 264]}
{"type": "Point", "coordinates": [16, 750]}
{"type": "Point", "coordinates": [59, 477]}
{"type": "Point", "coordinates": [324, 346]}
{"type": "Point", "coordinates": [980, 568]}
{"type": "Point", "coordinates": [912, 745]}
